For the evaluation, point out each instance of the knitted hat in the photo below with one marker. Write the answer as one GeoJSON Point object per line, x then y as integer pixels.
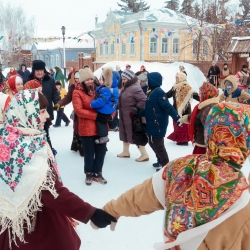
{"type": "Point", "coordinates": [128, 65]}
{"type": "Point", "coordinates": [128, 74]}
{"type": "Point", "coordinates": [38, 64]}
{"type": "Point", "coordinates": [85, 74]}
{"type": "Point", "coordinates": [154, 80]}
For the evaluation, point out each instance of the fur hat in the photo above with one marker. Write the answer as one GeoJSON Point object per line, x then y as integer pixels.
{"type": "Point", "coordinates": [111, 77]}
{"type": "Point", "coordinates": [38, 64]}
{"type": "Point", "coordinates": [85, 74]}
{"type": "Point", "coordinates": [129, 74]}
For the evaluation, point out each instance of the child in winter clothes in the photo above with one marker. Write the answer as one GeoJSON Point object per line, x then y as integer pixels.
{"type": "Point", "coordinates": [106, 102]}
{"type": "Point", "coordinates": [60, 113]}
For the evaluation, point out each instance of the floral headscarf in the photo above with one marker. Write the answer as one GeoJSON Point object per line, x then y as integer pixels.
{"type": "Point", "coordinates": [183, 93]}
{"type": "Point", "coordinates": [199, 188]}
{"type": "Point", "coordinates": [207, 91]}
{"type": "Point", "coordinates": [24, 168]}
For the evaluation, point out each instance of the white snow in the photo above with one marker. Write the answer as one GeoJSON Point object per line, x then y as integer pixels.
{"type": "Point", "coordinates": [168, 70]}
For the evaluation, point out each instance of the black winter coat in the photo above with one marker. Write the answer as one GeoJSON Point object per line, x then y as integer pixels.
{"type": "Point", "coordinates": [50, 92]}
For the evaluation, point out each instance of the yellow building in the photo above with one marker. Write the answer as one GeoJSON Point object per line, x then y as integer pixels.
{"type": "Point", "coordinates": [152, 35]}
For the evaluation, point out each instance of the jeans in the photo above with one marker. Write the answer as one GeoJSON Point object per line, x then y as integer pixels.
{"type": "Point", "coordinates": [102, 129]}
{"type": "Point", "coordinates": [61, 116]}
{"type": "Point", "coordinates": [157, 144]}
{"type": "Point", "coordinates": [94, 154]}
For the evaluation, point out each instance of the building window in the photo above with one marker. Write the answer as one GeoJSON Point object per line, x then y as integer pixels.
{"type": "Point", "coordinates": [106, 49]}
{"type": "Point", "coordinates": [52, 61]}
{"type": "Point", "coordinates": [41, 58]}
{"type": "Point", "coordinates": [101, 49]}
{"type": "Point", "coordinates": [132, 47]}
{"type": "Point", "coordinates": [205, 48]}
{"type": "Point", "coordinates": [164, 45]}
{"type": "Point", "coordinates": [176, 46]}
{"type": "Point", "coordinates": [47, 61]}
{"type": "Point", "coordinates": [112, 49]}
{"type": "Point", "coordinates": [153, 45]}
{"type": "Point", "coordinates": [57, 61]}
{"type": "Point", "coordinates": [195, 47]}
{"type": "Point", "coordinates": [123, 49]}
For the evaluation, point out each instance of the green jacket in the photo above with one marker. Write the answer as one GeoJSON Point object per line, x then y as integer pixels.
{"type": "Point", "coordinates": [60, 77]}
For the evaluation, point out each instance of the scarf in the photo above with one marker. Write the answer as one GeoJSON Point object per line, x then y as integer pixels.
{"type": "Point", "coordinates": [24, 165]}
{"type": "Point", "coordinates": [207, 91]}
{"type": "Point", "coordinates": [183, 93]}
{"type": "Point", "coordinates": [32, 84]}
{"type": "Point", "coordinates": [200, 188]}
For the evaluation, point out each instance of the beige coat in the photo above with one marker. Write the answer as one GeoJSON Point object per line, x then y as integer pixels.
{"type": "Point", "coordinates": [232, 234]}
{"type": "Point", "coordinates": [243, 97]}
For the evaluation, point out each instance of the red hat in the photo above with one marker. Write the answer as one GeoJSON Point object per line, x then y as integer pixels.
{"type": "Point", "coordinates": [143, 66]}
{"type": "Point", "coordinates": [127, 65]}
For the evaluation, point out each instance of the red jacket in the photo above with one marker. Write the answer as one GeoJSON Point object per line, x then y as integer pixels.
{"type": "Point", "coordinates": [53, 229]}
{"type": "Point", "coordinates": [86, 115]}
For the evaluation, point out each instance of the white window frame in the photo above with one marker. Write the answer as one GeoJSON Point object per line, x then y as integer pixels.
{"type": "Point", "coordinates": [205, 42]}
{"type": "Point", "coordinates": [165, 44]}
{"type": "Point", "coordinates": [58, 60]}
{"type": "Point", "coordinates": [195, 48]}
{"type": "Point", "coordinates": [106, 49]}
{"type": "Point", "coordinates": [112, 49]}
{"type": "Point", "coordinates": [174, 44]}
{"type": "Point", "coordinates": [101, 50]}
{"type": "Point", "coordinates": [123, 49]}
{"type": "Point", "coordinates": [132, 48]}
{"type": "Point", "coordinates": [52, 61]}
{"type": "Point", "coordinates": [153, 51]}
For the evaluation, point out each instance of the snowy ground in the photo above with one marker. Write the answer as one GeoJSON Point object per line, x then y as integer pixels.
{"type": "Point", "coordinates": [122, 174]}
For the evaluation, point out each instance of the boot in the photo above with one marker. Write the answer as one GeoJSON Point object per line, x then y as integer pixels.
{"type": "Point", "coordinates": [144, 155]}
{"type": "Point", "coordinates": [125, 153]}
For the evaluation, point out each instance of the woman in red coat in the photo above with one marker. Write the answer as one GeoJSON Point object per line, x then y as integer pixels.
{"type": "Point", "coordinates": [36, 210]}
{"type": "Point", "coordinates": [94, 154]}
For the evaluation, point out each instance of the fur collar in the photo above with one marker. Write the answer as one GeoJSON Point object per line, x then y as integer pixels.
{"type": "Point", "coordinates": [45, 78]}
{"type": "Point", "coordinates": [208, 102]}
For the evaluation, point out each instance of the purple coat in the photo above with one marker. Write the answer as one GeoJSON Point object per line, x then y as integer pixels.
{"type": "Point", "coordinates": [130, 97]}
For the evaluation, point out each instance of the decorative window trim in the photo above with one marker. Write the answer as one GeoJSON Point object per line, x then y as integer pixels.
{"type": "Point", "coordinates": [123, 54]}
{"type": "Point", "coordinates": [207, 40]}
{"type": "Point", "coordinates": [175, 36]}
{"type": "Point", "coordinates": [153, 54]}
{"type": "Point", "coordinates": [168, 47]}
{"type": "Point", "coordinates": [193, 42]}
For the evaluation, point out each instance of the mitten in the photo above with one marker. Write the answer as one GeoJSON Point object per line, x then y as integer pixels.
{"type": "Point", "coordinates": [57, 106]}
{"type": "Point", "coordinates": [101, 219]}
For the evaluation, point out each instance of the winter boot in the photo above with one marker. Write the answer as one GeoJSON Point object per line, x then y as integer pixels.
{"type": "Point", "coordinates": [144, 155]}
{"type": "Point", "coordinates": [157, 165]}
{"type": "Point", "coordinates": [99, 178]}
{"type": "Point", "coordinates": [89, 177]}
{"type": "Point", "coordinates": [125, 153]}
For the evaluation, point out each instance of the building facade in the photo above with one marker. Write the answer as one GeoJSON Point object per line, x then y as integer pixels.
{"type": "Point", "coordinates": [153, 35]}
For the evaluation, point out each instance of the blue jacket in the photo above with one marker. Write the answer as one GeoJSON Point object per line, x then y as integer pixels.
{"type": "Point", "coordinates": [25, 74]}
{"type": "Point", "coordinates": [157, 110]}
{"type": "Point", "coordinates": [107, 99]}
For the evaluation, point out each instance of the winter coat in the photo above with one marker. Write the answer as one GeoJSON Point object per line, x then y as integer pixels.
{"type": "Point", "coordinates": [60, 77]}
{"type": "Point", "coordinates": [120, 83]}
{"type": "Point", "coordinates": [107, 99]}
{"type": "Point", "coordinates": [242, 78]}
{"type": "Point", "coordinates": [25, 74]}
{"type": "Point", "coordinates": [50, 92]}
{"type": "Point", "coordinates": [231, 234]}
{"type": "Point", "coordinates": [53, 229]}
{"type": "Point", "coordinates": [223, 75]}
{"type": "Point", "coordinates": [62, 94]}
{"type": "Point", "coordinates": [213, 71]}
{"type": "Point", "coordinates": [86, 115]}
{"type": "Point", "coordinates": [131, 97]}
{"type": "Point", "coordinates": [235, 94]}
{"type": "Point", "coordinates": [2, 78]}
{"type": "Point", "coordinates": [172, 93]}
{"type": "Point", "coordinates": [157, 111]}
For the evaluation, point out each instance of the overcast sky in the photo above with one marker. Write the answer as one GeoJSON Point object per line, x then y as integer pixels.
{"type": "Point", "coordinates": [73, 14]}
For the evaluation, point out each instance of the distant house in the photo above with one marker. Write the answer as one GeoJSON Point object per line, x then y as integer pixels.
{"type": "Point", "coordinates": [152, 35]}
{"type": "Point", "coordinates": [52, 52]}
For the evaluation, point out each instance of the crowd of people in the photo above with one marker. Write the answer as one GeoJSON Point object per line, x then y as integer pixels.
{"type": "Point", "coordinates": [201, 193]}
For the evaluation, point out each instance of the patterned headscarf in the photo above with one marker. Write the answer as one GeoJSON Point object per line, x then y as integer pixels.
{"type": "Point", "coordinates": [183, 93]}
{"type": "Point", "coordinates": [24, 168]}
{"type": "Point", "coordinates": [199, 188]}
{"type": "Point", "coordinates": [208, 91]}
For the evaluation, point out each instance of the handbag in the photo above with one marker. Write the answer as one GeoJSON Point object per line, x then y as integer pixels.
{"type": "Point", "coordinates": [139, 136]}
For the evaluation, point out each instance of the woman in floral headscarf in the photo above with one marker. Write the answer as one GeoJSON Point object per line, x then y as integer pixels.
{"type": "Point", "coordinates": [182, 93]}
{"type": "Point", "coordinates": [34, 205]}
{"type": "Point", "coordinates": [208, 98]}
{"type": "Point", "coordinates": [13, 85]}
{"type": "Point", "coordinates": [201, 192]}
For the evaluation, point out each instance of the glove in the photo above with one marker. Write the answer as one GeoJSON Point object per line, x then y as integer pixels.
{"type": "Point", "coordinates": [57, 106]}
{"type": "Point", "coordinates": [133, 112]}
{"type": "Point", "coordinates": [102, 118]}
{"type": "Point", "coordinates": [102, 219]}
{"type": "Point", "coordinates": [180, 122]}
{"type": "Point", "coordinates": [133, 115]}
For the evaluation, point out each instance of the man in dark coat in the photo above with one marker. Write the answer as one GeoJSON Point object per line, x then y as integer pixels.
{"type": "Point", "coordinates": [24, 72]}
{"type": "Point", "coordinates": [48, 88]}
{"type": "Point", "coordinates": [157, 110]}
{"type": "Point", "coordinates": [214, 74]}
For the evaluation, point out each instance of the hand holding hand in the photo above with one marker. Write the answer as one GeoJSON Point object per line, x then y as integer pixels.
{"type": "Point", "coordinates": [101, 219]}
{"type": "Point", "coordinates": [57, 106]}
{"type": "Point", "coordinates": [180, 122]}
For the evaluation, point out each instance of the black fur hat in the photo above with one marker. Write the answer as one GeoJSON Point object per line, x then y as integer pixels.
{"type": "Point", "coordinates": [38, 64]}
